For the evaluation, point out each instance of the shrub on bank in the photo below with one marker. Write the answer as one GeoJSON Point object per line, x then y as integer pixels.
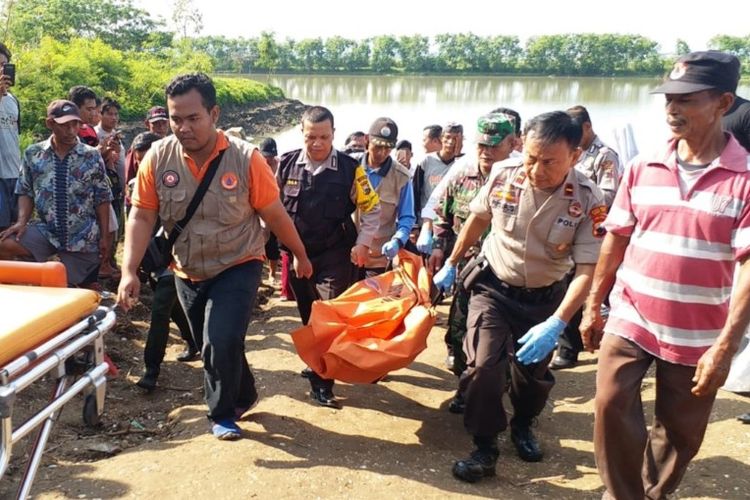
{"type": "Point", "coordinates": [136, 79]}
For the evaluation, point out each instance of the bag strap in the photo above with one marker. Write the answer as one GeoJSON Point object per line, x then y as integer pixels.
{"type": "Point", "coordinates": [197, 198]}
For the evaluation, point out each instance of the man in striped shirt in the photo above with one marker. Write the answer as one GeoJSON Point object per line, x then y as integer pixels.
{"type": "Point", "coordinates": [677, 227]}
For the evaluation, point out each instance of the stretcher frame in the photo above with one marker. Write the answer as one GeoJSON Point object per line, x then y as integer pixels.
{"type": "Point", "coordinates": [75, 359]}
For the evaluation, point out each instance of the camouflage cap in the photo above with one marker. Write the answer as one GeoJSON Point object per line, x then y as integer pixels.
{"type": "Point", "coordinates": [493, 128]}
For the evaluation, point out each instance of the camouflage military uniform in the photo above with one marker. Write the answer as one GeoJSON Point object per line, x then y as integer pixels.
{"type": "Point", "coordinates": [451, 216]}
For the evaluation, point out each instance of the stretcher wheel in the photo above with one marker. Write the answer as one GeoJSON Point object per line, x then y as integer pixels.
{"type": "Point", "coordinates": [90, 413]}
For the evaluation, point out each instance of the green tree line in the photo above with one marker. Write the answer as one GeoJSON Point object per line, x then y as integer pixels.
{"type": "Point", "coordinates": [123, 26]}
{"type": "Point", "coordinates": [122, 51]}
{"type": "Point", "coordinates": [580, 54]}
{"type": "Point", "coordinates": [121, 55]}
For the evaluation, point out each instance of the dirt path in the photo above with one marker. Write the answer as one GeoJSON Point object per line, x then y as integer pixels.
{"type": "Point", "coordinates": [394, 439]}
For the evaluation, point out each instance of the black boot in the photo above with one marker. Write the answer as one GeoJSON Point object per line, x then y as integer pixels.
{"type": "Point", "coordinates": [457, 404]}
{"type": "Point", "coordinates": [322, 391]}
{"type": "Point", "coordinates": [148, 380]}
{"type": "Point", "coordinates": [524, 440]}
{"type": "Point", "coordinates": [189, 354]}
{"type": "Point", "coordinates": [481, 462]}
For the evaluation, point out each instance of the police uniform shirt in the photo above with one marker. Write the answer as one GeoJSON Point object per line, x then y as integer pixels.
{"type": "Point", "coordinates": [530, 247]}
{"type": "Point", "coordinates": [601, 165]}
{"type": "Point", "coordinates": [362, 195]}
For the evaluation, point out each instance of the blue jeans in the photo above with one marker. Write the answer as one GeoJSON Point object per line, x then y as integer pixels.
{"type": "Point", "coordinates": [218, 310]}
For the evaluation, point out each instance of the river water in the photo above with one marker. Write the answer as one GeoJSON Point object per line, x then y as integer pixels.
{"type": "Point", "coordinates": [416, 101]}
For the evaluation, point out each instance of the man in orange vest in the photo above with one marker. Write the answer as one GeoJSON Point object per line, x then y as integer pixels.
{"type": "Point", "coordinates": [218, 255]}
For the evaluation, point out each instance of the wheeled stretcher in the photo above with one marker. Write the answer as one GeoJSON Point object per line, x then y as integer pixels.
{"type": "Point", "coordinates": [47, 330]}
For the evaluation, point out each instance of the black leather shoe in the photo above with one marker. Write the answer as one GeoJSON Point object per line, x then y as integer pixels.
{"type": "Point", "coordinates": [457, 404]}
{"type": "Point", "coordinates": [479, 464]}
{"type": "Point", "coordinates": [306, 372]}
{"type": "Point", "coordinates": [148, 380]}
{"type": "Point", "coordinates": [561, 363]}
{"type": "Point", "coordinates": [526, 444]}
{"type": "Point", "coordinates": [188, 355]}
{"type": "Point", "coordinates": [325, 397]}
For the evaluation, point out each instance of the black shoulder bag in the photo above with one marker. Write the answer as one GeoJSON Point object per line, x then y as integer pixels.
{"type": "Point", "coordinates": [158, 255]}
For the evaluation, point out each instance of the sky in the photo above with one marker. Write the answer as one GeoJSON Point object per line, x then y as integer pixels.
{"type": "Point", "coordinates": [664, 21]}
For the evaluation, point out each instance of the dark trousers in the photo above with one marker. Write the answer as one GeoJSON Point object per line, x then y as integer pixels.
{"type": "Point", "coordinates": [332, 275]}
{"type": "Point", "coordinates": [635, 463]}
{"type": "Point", "coordinates": [570, 343]}
{"type": "Point", "coordinates": [456, 332]}
{"type": "Point", "coordinates": [165, 306]}
{"type": "Point", "coordinates": [498, 317]}
{"type": "Point", "coordinates": [219, 310]}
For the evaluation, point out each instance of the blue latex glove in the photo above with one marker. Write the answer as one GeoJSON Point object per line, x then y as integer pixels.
{"type": "Point", "coordinates": [390, 248]}
{"type": "Point", "coordinates": [424, 242]}
{"type": "Point", "coordinates": [540, 340]}
{"type": "Point", "coordinates": [444, 278]}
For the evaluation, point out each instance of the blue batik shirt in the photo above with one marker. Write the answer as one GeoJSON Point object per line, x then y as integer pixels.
{"type": "Point", "coordinates": [65, 192]}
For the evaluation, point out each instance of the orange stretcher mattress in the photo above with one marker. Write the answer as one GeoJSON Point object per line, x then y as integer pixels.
{"type": "Point", "coordinates": [32, 315]}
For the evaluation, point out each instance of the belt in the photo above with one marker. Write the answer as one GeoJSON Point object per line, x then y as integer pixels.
{"type": "Point", "coordinates": [528, 295]}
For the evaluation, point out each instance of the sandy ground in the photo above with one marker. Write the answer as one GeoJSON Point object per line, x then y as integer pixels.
{"type": "Point", "coordinates": [394, 439]}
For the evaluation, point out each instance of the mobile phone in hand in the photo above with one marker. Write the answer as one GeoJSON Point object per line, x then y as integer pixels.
{"type": "Point", "coordinates": [9, 70]}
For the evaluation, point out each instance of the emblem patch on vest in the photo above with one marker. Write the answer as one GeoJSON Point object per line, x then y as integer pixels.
{"type": "Point", "coordinates": [170, 178]}
{"type": "Point", "coordinates": [229, 181]}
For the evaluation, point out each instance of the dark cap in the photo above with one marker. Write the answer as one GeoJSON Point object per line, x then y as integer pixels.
{"type": "Point", "coordinates": [383, 132]}
{"type": "Point", "coordinates": [144, 140]}
{"type": "Point", "coordinates": [63, 111]}
{"type": "Point", "coordinates": [268, 147]}
{"type": "Point", "coordinates": [702, 71]}
{"type": "Point", "coordinates": [453, 128]}
{"type": "Point", "coordinates": [403, 144]}
{"type": "Point", "coordinates": [157, 113]}
{"type": "Point", "coordinates": [493, 128]}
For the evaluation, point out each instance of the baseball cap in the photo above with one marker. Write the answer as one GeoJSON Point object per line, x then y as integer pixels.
{"type": "Point", "coordinates": [144, 140]}
{"type": "Point", "coordinates": [698, 71]}
{"type": "Point", "coordinates": [63, 111]}
{"type": "Point", "coordinates": [493, 128]}
{"type": "Point", "coordinates": [268, 147]}
{"type": "Point", "coordinates": [403, 144]}
{"type": "Point", "coordinates": [453, 128]}
{"type": "Point", "coordinates": [383, 132]}
{"type": "Point", "coordinates": [157, 113]}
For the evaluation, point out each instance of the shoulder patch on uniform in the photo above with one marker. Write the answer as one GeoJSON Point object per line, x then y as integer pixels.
{"type": "Point", "coordinates": [598, 215]}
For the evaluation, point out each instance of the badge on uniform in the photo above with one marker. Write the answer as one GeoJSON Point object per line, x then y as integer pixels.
{"type": "Point", "coordinates": [568, 191]}
{"type": "Point", "coordinates": [170, 178]}
{"type": "Point", "coordinates": [575, 209]}
{"type": "Point", "coordinates": [229, 181]}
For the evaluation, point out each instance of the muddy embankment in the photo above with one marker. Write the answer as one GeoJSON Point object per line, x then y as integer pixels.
{"type": "Point", "coordinates": [256, 120]}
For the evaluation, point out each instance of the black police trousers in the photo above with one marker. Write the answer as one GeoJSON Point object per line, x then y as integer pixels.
{"type": "Point", "coordinates": [498, 316]}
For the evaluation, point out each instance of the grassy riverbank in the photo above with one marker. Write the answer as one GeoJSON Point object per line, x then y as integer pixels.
{"type": "Point", "coordinates": [135, 79]}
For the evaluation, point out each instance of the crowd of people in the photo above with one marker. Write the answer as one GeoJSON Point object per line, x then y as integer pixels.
{"type": "Point", "coordinates": [541, 236]}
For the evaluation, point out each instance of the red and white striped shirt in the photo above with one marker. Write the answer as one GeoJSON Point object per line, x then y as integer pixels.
{"type": "Point", "coordinates": [672, 291]}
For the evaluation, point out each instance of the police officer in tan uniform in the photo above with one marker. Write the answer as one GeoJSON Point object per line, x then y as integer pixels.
{"type": "Point", "coordinates": [601, 165]}
{"type": "Point", "coordinates": [545, 218]}
{"type": "Point", "coordinates": [599, 162]}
